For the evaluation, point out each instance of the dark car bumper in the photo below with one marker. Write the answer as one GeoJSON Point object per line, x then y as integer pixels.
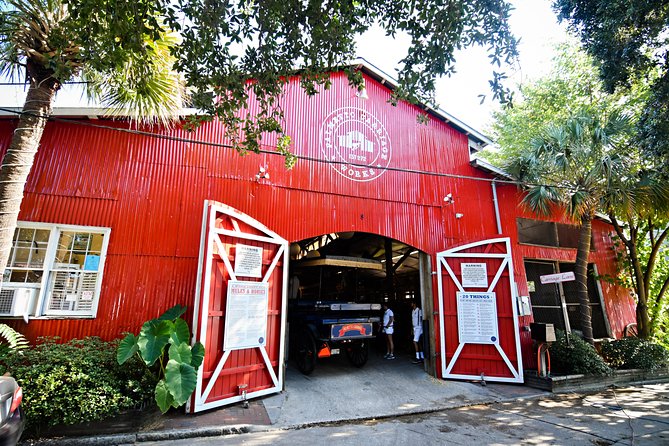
{"type": "Point", "coordinates": [11, 430]}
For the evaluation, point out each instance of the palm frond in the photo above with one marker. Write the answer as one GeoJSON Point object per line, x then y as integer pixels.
{"type": "Point", "coordinates": [146, 87]}
{"type": "Point", "coordinates": [28, 31]}
{"type": "Point", "coordinates": [539, 199]}
{"type": "Point", "coordinates": [580, 203]}
{"type": "Point", "coordinates": [13, 339]}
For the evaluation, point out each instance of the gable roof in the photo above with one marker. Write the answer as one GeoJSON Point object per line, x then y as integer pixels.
{"type": "Point", "coordinates": [479, 139]}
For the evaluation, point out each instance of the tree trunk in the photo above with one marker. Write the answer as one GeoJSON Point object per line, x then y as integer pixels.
{"type": "Point", "coordinates": [581, 273]}
{"type": "Point", "coordinates": [20, 155]}
{"type": "Point", "coordinates": [645, 323]}
{"type": "Point", "coordinates": [642, 318]}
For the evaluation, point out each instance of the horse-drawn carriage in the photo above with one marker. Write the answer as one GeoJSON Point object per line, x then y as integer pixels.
{"type": "Point", "coordinates": [328, 313]}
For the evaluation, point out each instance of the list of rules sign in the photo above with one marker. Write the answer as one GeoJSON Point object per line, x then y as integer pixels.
{"type": "Point", "coordinates": [477, 318]}
{"type": "Point", "coordinates": [246, 315]}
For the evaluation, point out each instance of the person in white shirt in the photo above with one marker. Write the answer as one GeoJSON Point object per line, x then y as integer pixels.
{"type": "Point", "coordinates": [417, 323]}
{"type": "Point", "coordinates": [388, 320]}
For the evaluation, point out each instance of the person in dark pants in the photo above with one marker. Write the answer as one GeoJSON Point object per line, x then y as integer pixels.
{"type": "Point", "coordinates": [388, 320]}
{"type": "Point", "coordinates": [417, 323]}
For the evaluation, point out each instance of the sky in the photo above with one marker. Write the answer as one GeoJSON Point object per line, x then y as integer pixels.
{"type": "Point", "coordinates": [533, 22]}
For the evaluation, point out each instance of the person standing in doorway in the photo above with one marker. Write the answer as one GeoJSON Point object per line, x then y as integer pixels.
{"type": "Point", "coordinates": [388, 320]}
{"type": "Point", "coordinates": [417, 323]}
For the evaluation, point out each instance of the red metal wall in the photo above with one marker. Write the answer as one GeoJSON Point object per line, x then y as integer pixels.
{"type": "Point", "coordinates": [151, 191]}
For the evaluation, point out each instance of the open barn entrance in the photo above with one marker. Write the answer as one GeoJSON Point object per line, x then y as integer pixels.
{"type": "Point", "coordinates": [337, 287]}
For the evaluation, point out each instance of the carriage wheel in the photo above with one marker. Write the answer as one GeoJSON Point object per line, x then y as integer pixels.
{"type": "Point", "coordinates": [306, 352]}
{"type": "Point", "coordinates": [358, 352]}
{"type": "Point", "coordinates": [630, 331]}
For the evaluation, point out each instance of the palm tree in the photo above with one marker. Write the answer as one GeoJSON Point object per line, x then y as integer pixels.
{"type": "Point", "coordinates": [128, 67]}
{"type": "Point", "coordinates": [573, 165]}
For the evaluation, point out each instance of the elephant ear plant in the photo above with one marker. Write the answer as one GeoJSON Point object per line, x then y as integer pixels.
{"type": "Point", "coordinates": [166, 340]}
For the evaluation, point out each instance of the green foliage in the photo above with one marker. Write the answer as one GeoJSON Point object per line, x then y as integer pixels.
{"type": "Point", "coordinates": [635, 353]}
{"type": "Point", "coordinates": [557, 139]}
{"type": "Point", "coordinates": [166, 340]}
{"type": "Point", "coordinates": [571, 86]}
{"type": "Point", "coordinates": [577, 358]}
{"type": "Point", "coordinates": [628, 39]}
{"type": "Point", "coordinates": [77, 381]}
{"type": "Point", "coordinates": [120, 48]}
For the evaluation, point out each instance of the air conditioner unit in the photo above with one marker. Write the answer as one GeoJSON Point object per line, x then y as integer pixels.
{"type": "Point", "coordinates": [17, 302]}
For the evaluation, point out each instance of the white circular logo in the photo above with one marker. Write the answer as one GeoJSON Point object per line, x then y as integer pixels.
{"type": "Point", "coordinates": [355, 143]}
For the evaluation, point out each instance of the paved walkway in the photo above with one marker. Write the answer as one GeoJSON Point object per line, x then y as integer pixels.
{"type": "Point", "coordinates": [636, 416]}
{"type": "Point", "coordinates": [335, 392]}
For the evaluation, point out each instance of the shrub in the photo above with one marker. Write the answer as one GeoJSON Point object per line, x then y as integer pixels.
{"type": "Point", "coordinates": [635, 353]}
{"type": "Point", "coordinates": [577, 358]}
{"type": "Point", "coordinates": [77, 381]}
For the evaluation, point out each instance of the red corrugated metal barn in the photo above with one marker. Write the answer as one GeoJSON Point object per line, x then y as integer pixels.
{"type": "Point", "coordinates": [117, 226]}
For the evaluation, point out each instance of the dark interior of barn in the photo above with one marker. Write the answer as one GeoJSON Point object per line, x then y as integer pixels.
{"type": "Point", "coordinates": [356, 268]}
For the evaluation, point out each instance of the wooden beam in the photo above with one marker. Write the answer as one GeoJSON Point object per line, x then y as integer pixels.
{"type": "Point", "coordinates": [402, 259]}
{"type": "Point", "coordinates": [390, 288]}
{"type": "Point", "coordinates": [348, 262]}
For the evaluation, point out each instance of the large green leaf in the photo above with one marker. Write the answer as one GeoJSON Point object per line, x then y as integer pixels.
{"type": "Point", "coordinates": [164, 398]}
{"type": "Point", "coordinates": [181, 380]}
{"type": "Point", "coordinates": [181, 332]}
{"type": "Point", "coordinates": [173, 313]}
{"type": "Point", "coordinates": [126, 348]}
{"type": "Point", "coordinates": [181, 353]}
{"type": "Point", "coordinates": [153, 338]}
{"type": "Point", "coordinates": [197, 353]}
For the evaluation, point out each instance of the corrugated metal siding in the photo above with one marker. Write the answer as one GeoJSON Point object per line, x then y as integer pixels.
{"type": "Point", "coordinates": [151, 192]}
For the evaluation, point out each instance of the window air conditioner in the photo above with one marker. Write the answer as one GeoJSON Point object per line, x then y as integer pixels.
{"type": "Point", "coordinates": [17, 302]}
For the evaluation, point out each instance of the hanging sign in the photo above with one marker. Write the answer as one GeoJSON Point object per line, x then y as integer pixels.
{"type": "Point", "coordinates": [248, 261]}
{"type": "Point", "coordinates": [559, 277]}
{"type": "Point", "coordinates": [477, 318]}
{"type": "Point", "coordinates": [246, 315]}
{"type": "Point", "coordinates": [474, 275]}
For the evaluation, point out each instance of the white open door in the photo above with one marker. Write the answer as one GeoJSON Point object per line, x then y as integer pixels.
{"type": "Point", "coordinates": [240, 309]}
{"type": "Point", "coordinates": [479, 335]}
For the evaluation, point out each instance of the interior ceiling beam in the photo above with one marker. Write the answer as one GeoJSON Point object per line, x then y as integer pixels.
{"type": "Point", "coordinates": [401, 260]}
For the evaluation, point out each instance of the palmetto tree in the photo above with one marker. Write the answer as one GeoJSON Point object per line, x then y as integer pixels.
{"type": "Point", "coordinates": [575, 165]}
{"type": "Point", "coordinates": [121, 53]}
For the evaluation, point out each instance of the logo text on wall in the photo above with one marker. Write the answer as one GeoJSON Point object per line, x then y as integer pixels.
{"type": "Point", "coordinates": [356, 143]}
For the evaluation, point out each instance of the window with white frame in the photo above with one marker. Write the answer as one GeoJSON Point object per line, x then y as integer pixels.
{"type": "Point", "coordinates": [61, 264]}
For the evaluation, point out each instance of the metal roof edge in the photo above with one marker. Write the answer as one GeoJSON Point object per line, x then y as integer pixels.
{"type": "Point", "coordinates": [381, 75]}
{"type": "Point", "coordinates": [365, 65]}
{"type": "Point", "coordinates": [89, 112]}
{"type": "Point", "coordinates": [487, 167]}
